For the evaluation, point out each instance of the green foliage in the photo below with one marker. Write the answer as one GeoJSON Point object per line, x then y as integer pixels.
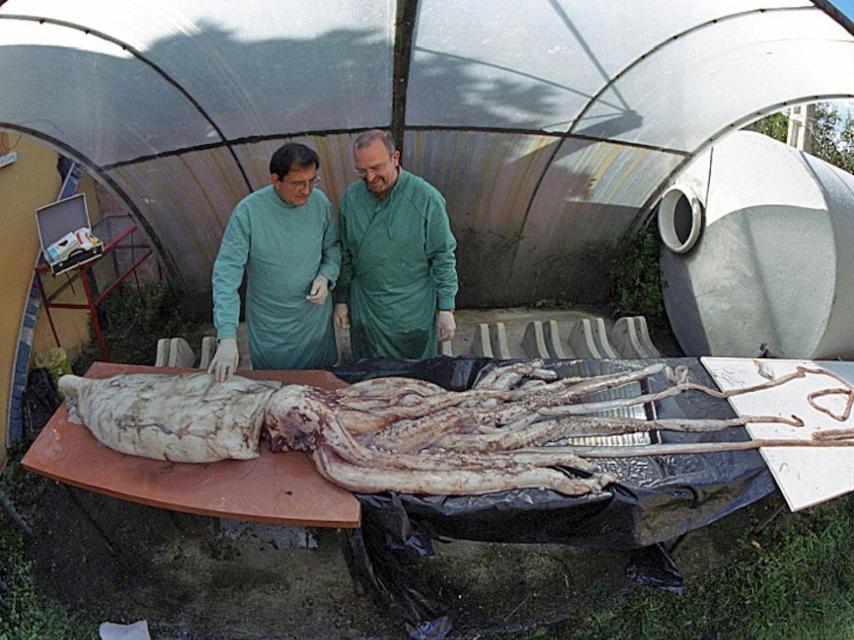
{"type": "Point", "coordinates": [833, 137]}
{"type": "Point", "coordinates": [794, 580]}
{"type": "Point", "coordinates": [798, 582]}
{"type": "Point", "coordinates": [24, 614]}
{"type": "Point", "coordinates": [636, 279]}
{"type": "Point", "coordinates": [832, 134]}
{"type": "Point", "coordinates": [776, 126]}
{"type": "Point", "coordinates": [148, 309]}
{"type": "Point", "coordinates": [552, 303]}
{"type": "Point", "coordinates": [134, 318]}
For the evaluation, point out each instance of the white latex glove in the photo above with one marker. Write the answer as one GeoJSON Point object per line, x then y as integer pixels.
{"type": "Point", "coordinates": [341, 316]}
{"type": "Point", "coordinates": [446, 325]}
{"type": "Point", "coordinates": [225, 360]}
{"type": "Point", "coordinates": [319, 290]}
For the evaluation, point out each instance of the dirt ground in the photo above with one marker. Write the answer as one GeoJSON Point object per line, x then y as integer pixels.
{"type": "Point", "coordinates": [200, 578]}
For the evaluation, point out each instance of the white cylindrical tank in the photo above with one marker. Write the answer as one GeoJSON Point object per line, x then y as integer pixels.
{"type": "Point", "coordinates": [758, 253]}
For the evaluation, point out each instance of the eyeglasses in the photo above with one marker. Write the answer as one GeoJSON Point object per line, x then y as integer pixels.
{"type": "Point", "coordinates": [377, 168]}
{"type": "Point", "coordinates": [297, 184]}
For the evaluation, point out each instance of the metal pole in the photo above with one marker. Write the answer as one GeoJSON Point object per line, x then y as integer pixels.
{"type": "Point", "coordinates": [46, 303]}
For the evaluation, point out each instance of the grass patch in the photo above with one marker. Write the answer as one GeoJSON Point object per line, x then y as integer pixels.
{"type": "Point", "coordinates": [25, 614]}
{"type": "Point", "coordinates": [134, 318]}
{"type": "Point", "coordinates": [636, 279]}
{"type": "Point", "coordinates": [792, 581]}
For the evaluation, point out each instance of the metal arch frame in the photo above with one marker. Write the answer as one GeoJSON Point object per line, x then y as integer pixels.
{"type": "Point", "coordinates": [656, 193]}
{"type": "Point", "coordinates": [155, 67]}
{"type": "Point", "coordinates": [558, 135]}
{"type": "Point", "coordinates": [405, 28]}
{"type": "Point", "coordinates": [111, 185]}
{"type": "Point", "coordinates": [835, 13]}
{"type": "Point", "coordinates": [612, 81]}
{"type": "Point", "coordinates": [620, 74]}
{"type": "Point", "coordinates": [407, 12]}
{"type": "Point", "coordinates": [406, 16]}
{"type": "Point", "coordinates": [234, 142]}
{"type": "Point", "coordinates": [331, 132]}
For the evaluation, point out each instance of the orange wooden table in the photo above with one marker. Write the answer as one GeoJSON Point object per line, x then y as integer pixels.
{"type": "Point", "coordinates": [277, 488]}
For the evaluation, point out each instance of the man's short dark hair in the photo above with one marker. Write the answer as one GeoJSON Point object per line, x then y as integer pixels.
{"type": "Point", "coordinates": [293, 156]}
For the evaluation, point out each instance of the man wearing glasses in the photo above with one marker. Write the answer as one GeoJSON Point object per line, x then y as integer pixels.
{"type": "Point", "coordinates": [398, 278]}
{"type": "Point", "coordinates": [283, 238]}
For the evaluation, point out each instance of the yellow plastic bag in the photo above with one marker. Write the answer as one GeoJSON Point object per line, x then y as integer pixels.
{"type": "Point", "coordinates": [55, 360]}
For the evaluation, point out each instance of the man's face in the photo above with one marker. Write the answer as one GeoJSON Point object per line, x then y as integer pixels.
{"type": "Point", "coordinates": [377, 167]}
{"type": "Point", "coordinates": [295, 187]}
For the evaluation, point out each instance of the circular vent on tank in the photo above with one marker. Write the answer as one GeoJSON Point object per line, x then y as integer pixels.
{"type": "Point", "coordinates": [680, 220]}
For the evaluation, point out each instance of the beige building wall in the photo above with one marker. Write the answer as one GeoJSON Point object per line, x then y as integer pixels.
{"type": "Point", "coordinates": [30, 182]}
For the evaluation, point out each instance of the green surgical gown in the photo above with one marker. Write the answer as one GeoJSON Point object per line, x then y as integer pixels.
{"type": "Point", "coordinates": [281, 249]}
{"type": "Point", "coordinates": [398, 268]}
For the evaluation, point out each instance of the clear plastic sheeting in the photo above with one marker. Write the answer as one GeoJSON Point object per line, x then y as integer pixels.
{"type": "Point", "coordinates": [255, 68]}
{"type": "Point", "coordinates": [186, 200]}
{"type": "Point", "coordinates": [604, 173]}
{"type": "Point", "coordinates": [493, 177]}
{"type": "Point", "coordinates": [493, 173]}
{"type": "Point", "coordinates": [550, 127]}
{"type": "Point", "coordinates": [536, 66]}
{"type": "Point", "coordinates": [683, 93]}
{"type": "Point", "coordinates": [522, 234]}
{"type": "Point", "coordinates": [586, 203]}
{"type": "Point", "coordinates": [85, 92]}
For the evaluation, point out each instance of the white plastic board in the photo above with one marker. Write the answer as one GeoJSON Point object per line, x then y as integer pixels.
{"type": "Point", "coordinates": [806, 476]}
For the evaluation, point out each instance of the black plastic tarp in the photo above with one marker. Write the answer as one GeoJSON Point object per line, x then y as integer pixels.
{"type": "Point", "coordinates": [656, 499]}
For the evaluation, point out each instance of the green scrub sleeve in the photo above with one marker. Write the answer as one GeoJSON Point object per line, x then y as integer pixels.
{"type": "Point", "coordinates": [228, 274]}
{"type": "Point", "coordinates": [341, 294]}
{"type": "Point", "coordinates": [330, 260]}
{"type": "Point", "coordinates": [440, 254]}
